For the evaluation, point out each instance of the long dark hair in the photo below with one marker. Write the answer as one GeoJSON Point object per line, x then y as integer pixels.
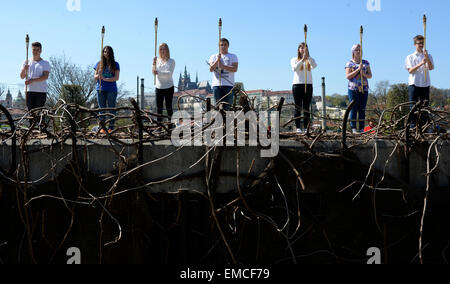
{"type": "Point", "coordinates": [109, 62]}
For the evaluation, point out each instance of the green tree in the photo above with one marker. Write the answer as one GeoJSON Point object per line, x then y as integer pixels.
{"type": "Point", "coordinates": [73, 94]}
{"type": "Point", "coordinates": [438, 97]}
{"type": "Point", "coordinates": [398, 94]}
{"type": "Point", "coordinates": [337, 100]}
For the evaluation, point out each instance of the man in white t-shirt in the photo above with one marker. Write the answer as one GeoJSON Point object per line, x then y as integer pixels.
{"type": "Point", "coordinates": [418, 65]}
{"type": "Point", "coordinates": [37, 71]}
{"type": "Point", "coordinates": [224, 66]}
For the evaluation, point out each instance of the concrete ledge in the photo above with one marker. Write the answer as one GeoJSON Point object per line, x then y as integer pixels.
{"type": "Point", "coordinates": [101, 157]}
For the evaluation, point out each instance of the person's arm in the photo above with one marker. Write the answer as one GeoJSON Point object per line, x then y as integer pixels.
{"type": "Point", "coordinates": [44, 77]}
{"type": "Point", "coordinates": [234, 65]}
{"type": "Point", "coordinates": [430, 63]}
{"type": "Point", "coordinates": [113, 79]}
{"type": "Point", "coordinates": [233, 68]}
{"type": "Point", "coordinates": [214, 65]}
{"type": "Point", "coordinates": [168, 70]}
{"type": "Point", "coordinates": [414, 69]}
{"type": "Point", "coordinates": [312, 62]}
{"type": "Point", "coordinates": [352, 74]}
{"type": "Point", "coordinates": [23, 72]}
{"type": "Point", "coordinates": [368, 74]}
{"type": "Point", "coordinates": [97, 76]}
{"type": "Point", "coordinates": [295, 64]}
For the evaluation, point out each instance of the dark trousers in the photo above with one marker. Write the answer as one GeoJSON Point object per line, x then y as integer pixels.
{"type": "Point", "coordinates": [417, 94]}
{"type": "Point", "coordinates": [358, 112]}
{"type": "Point", "coordinates": [36, 100]}
{"type": "Point", "coordinates": [222, 95]}
{"type": "Point", "coordinates": [302, 102]}
{"type": "Point", "coordinates": [167, 95]}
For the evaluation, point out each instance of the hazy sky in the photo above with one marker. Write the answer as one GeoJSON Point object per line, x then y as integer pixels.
{"type": "Point", "coordinates": [264, 35]}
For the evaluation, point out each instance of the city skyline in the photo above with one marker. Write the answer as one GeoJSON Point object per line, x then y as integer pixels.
{"type": "Point", "coordinates": [263, 35]}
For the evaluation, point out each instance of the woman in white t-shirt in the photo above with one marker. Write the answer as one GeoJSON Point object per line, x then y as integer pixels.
{"type": "Point", "coordinates": [163, 68]}
{"type": "Point", "coordinates": [301, 64]}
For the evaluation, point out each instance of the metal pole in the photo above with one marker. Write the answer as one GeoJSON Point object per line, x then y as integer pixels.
{"type": "Point", "coordinates": [324, 106]}
{"type": "Point", "coordinates": [142, 94]}
{"type": "Point", "coordinates": [137, 91]}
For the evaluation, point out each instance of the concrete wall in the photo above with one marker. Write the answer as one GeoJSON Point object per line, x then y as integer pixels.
{"type": "Point", "coordinates": [100, 158]}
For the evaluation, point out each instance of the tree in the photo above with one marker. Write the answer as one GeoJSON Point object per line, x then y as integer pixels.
{"type": "Point", "coordinates": [63, 73]}
{"type": "Point", "coordinates": [72, 94]}
{"type": "Point", "coordinates": [2, 90]}
{"type": "Point", "coordinates": [378, 98]}
{"type": "Point", "coordinates": [397, 94]}
{"type": "Point", "coordinates": [337, 100]}
{"type": "Point", "coordinates": [438, 97]}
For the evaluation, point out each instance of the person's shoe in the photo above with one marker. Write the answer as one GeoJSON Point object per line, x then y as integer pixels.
{"type": "Point", "coordinates": [110, 131]}
{"type": "Point", "coordinates": [299, 131]}
{"type": "Point", "coordinates": [354, 131]}
{"type": "Point", "coordinates": [102, 131]}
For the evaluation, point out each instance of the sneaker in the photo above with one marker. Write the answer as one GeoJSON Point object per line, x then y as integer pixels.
{"type": "Point", "coordinates": [354, 131]}
{"type": "Point", "coordinates": [299, 131]}
{"type": "Point", "coordinates": [102, 131]}
{"type": "Point", "coordinates": [110, 131]}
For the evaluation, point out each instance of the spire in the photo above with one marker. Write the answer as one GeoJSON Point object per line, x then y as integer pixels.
{"type": "Point", "coordinates": [185, 72]}
{"type": "Point", "coordinates": [180, 83]}
{"type": "Point", "coordinates": [196, 79]}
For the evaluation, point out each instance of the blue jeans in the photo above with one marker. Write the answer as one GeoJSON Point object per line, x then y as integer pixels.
{"type": "Point", "coordinates": [221, 92]}
{"type": "Point", "coordinates": [107, 99]}
{"type": "Point", "coordinates": [417, 94]}
{"type": "Point", "coordinates": [358, 111]}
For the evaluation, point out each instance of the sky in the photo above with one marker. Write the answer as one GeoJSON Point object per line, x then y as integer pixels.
{"type": "Point", "coordinates": [263, 34]}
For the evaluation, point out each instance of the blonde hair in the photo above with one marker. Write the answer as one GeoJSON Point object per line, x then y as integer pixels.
{"type": "Point", "coordinates": [299, 56]}
{"type": "Point", "coordinates": [168, 50]}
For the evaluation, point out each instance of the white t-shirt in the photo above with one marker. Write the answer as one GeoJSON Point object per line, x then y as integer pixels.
{"type": "Point", "coordinates": [418, 78]}
{"type": "Point", "coordinates": [164, 79]}
{"type": "Point", "coordinates": [36, 70]}
{"type": "Point", "coordinates": [299, 75]}
{"type": "Point", "coordinates": [227, 78]}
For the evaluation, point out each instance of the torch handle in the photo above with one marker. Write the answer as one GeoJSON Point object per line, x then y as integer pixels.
{"type": "Point", "coordinates": [220, 39]}
{"type": "Point", "coordinates": [306, 63]}
{"type": "Point", "coordinates": [101, 57]}
{"type": "Point", "coordinates": [27, 40]}
{"type": "Point", "coordinates": [156, 43]}
{"type": "Point", "coordinates": [361, 61]}
{"type": "Point", "coordinates": [425, 42]}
